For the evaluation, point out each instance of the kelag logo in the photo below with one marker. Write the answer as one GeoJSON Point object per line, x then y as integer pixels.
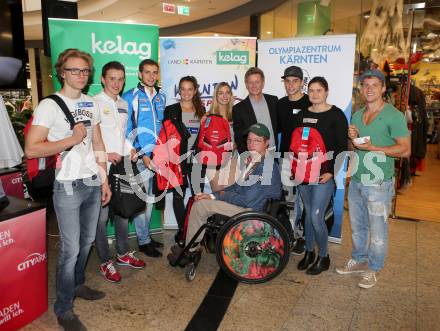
{"type": "Point", "coordinates": [232, 57]}
{"type": "Point", "coordinates": [143, 50]}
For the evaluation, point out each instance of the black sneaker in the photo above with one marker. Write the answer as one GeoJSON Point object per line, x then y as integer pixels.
{"type": "Point", "coordinates": [150, 250]}
{"type": "Point", "coordinates": [70, 322]}
{"type": "Point", "coordinates": [156, 244]}
{"type": "Point", "coordinates": [86, 293]}
{"type": "Point", "coordinates": [299, 247]}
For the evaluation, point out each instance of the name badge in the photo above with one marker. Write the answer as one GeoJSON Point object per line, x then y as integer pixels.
{"type": "Point", "coordinates": [85, 104]}
{"type": "Point", "coordinates": [193, 130]}
{"type": "Point", "coordinates": [310, 120]}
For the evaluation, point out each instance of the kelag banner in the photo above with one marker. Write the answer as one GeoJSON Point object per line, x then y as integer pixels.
{"type": "Point", "coordinates": [211, 60]}
{"type": "Point", "coordinates": [328, 56]}
{"type": "Point", "coordinates": [105, 41]}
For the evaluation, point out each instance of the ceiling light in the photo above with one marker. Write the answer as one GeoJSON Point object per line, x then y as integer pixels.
{"type": "Point", "coordinates": [216, 35]}
{"type": "Point", "coordinates": [269, 32]}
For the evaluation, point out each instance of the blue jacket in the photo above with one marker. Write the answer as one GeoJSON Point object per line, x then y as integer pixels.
{"type": "Point", "coordinates": [264, 182]}
{"type": "Point", "coordinates": [149, 118]}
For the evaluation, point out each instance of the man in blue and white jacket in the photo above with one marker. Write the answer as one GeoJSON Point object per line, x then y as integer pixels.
{"type": "Point", "coordinates": [146, 105]}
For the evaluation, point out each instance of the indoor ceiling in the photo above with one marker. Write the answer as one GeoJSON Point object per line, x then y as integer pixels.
{"type": "Point", "coordinates": [130, 11]}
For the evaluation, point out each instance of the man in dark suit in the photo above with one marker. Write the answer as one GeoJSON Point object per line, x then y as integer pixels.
{"type": "Point", "coordinates": [257, 107]}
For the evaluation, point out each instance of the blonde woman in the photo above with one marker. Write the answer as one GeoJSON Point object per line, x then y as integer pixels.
{"type": "Point", "coordinates": [222, 102]}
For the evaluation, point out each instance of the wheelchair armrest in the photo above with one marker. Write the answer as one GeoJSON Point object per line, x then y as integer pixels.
{"type": "Point", "coordinates": [272, 207]}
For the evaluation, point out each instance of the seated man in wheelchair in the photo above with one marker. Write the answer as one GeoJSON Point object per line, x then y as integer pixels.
{"type": "Point", "coordinates": [259, 181]}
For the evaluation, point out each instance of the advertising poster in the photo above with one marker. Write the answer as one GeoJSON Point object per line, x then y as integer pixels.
{"type": "Point", "coordinates": [211, 60]}
{"type": "Point", "coordinates": [329, 56]}
{"type": "Point", "coordinates": [105, 41]}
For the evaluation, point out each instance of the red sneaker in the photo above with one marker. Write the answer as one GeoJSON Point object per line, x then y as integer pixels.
{"type": "Point", "coordinates": [109, 272]}
{"type": "Point", "coordinates": [130, 260]}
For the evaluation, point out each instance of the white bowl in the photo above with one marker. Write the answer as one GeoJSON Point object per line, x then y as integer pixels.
{"type": "Point", "coordinates": [361, 140]}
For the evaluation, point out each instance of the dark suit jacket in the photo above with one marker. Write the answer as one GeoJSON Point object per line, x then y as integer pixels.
{"type": "Point", "coordinates": [243, 116]}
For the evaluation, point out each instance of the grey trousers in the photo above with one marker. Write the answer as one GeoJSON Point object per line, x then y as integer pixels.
{"type": "Point", "coordinates": [202, 209]}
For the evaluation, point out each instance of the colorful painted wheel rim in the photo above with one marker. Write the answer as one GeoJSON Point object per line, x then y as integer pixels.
{"type": "Point", "coordinates": [253, 249]}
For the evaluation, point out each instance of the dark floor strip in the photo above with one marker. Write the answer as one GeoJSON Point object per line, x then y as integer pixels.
{"type": "Point", "coordinates": [213, 307]}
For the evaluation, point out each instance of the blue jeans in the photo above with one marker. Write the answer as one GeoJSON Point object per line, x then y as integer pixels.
{"type": "Point", "coordinates": [369, 207]}
{"type": "Point", "coordinates": [316, 198]}
{"type": "Point", "coordinates": [142, 220]}
{"type": "Point", "coordinates": [121, 234]}
{"type": "Point", "coordinates": [77, 208]}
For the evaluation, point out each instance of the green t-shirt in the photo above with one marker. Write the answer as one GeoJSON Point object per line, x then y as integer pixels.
{"type": "Point", "coordinates": [375, 167]}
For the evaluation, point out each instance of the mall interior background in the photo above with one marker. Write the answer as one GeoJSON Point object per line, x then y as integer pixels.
{"type": "Point", "coordinates": [413, 41]}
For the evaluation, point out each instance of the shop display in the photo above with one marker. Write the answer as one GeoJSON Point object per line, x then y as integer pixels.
{"type": "Point", "coordinates": [11, 152]}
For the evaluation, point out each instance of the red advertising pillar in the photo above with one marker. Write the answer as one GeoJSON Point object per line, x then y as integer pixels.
{"type": "Point", "coordinates": [23, 264]}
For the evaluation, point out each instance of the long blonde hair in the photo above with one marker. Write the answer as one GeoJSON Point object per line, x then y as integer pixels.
{"type": "Point", "coordinates": [215, 107]}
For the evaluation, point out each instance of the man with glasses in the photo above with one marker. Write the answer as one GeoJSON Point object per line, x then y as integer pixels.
{"type": "Point", "coordinates": [259, 181]}
{"type": "Point", "coordinates": [146, 105]}
{"type": "Point", "coordinates": [80, 187]}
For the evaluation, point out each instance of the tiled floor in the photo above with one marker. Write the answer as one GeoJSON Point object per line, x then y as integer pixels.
{"type": "Point", "coordinates": [407, 296]}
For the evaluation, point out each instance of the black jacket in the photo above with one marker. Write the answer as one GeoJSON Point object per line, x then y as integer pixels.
{"type": "Point", "coordinates": [243, 117]}
{"type": "Point", "coordinates": [173, 112]}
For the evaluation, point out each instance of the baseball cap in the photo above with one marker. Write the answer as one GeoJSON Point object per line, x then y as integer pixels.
{"type": "Point", "coordinates": [259, 129]}
{"type": "Point", "coordinates": [373, 73]}
{"type": "Point", "coordinates": [293, 71]}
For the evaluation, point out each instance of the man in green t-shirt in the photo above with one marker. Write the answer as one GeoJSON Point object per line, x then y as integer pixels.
{"type": "Point", "coordinates": [379, 134]}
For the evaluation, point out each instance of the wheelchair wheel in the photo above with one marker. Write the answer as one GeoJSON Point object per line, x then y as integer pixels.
{"type": "Point", "coordinates": [252, 247]}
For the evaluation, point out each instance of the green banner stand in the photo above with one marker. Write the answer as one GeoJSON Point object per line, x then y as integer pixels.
{"type": "Point", "coordinates": [105, 41]}
{"type": "Point", "coordinates": [155, 224]}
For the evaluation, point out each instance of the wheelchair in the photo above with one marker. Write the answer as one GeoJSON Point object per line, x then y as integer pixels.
{"type": "Point", "coordinates": [250, 247]}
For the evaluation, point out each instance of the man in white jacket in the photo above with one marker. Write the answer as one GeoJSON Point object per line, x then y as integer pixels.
{"type": "Point", "coordinates": [113, 112]}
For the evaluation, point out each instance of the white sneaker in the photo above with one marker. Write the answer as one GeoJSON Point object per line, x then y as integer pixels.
{"type": "Point", "coordinates": [368, 279]}
{"type": "Point", "coordinates": [352, 267]}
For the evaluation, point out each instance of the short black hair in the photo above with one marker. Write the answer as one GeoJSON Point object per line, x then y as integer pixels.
{"type": "Point", "coordinates": [112, 65]}
{"type": "Point", "coordinates": [319, 80]}
{"type": "Point", "coordinates": [147, 62]}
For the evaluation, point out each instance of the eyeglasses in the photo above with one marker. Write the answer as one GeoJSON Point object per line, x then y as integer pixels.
{"type": "Point", "coordinates": [77, 71]}
{"type": "Point", "coordinates": [254, 141]}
